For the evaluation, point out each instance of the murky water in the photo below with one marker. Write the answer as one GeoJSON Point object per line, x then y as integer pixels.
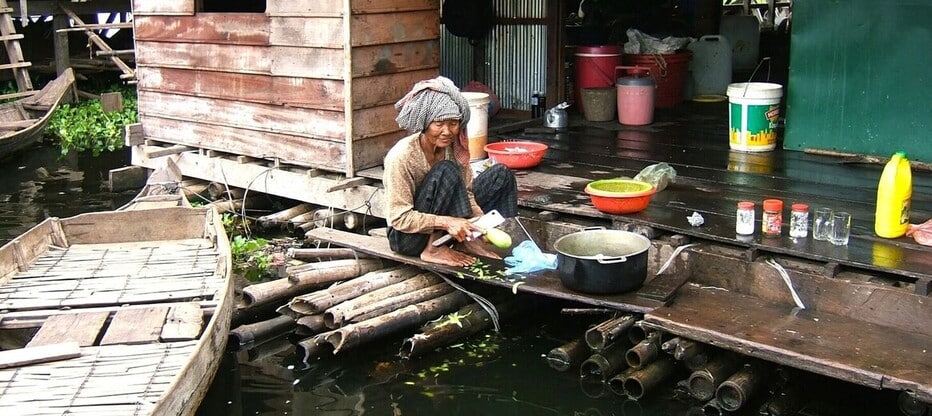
{"type": "Point", "coordinates": [490, 374]}
{"type": "Point", "coordinates": [40, 183]}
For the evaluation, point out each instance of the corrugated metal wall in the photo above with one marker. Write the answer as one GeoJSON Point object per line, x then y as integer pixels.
{"type": "Point", "coordinates": [516, 55]}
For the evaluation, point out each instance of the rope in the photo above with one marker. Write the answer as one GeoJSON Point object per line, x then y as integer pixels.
{"type": "Point", "coordinates": [483, 302]}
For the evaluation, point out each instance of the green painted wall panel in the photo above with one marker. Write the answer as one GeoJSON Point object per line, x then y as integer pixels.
{"type": "Point", "coordinates": [860, 78]}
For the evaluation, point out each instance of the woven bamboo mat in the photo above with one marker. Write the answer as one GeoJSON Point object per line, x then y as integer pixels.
{"type": "Point", "coordinates": [117, 380]}
{"type": "Point", "coordinates": [115, 274]}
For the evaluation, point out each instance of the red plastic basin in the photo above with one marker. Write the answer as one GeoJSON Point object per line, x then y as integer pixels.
{"type": "Point", "coordinates": [517, 155]}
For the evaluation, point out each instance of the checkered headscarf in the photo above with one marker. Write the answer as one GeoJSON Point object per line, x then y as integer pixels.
{"type": "Point", "coordinates": [432, 100]}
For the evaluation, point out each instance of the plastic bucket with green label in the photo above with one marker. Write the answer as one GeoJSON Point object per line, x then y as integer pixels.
{"type": "Point", "coordinates": [753, 110]}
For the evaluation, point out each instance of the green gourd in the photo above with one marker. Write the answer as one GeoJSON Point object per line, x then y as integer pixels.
{"type": "Point", "coordinates": [498, 237]}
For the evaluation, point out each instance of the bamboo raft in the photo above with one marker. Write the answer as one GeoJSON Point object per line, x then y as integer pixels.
{"type": "Point", "coordinates": [129, 309]}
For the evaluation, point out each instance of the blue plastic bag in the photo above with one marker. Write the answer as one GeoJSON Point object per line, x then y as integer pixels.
{"type": "Point", "coordinates": [527, 257]}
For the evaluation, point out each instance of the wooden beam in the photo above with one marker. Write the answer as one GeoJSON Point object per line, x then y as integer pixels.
{"type": "Point", "coordinates": [41, 354]}
{"type": "Point", "coordinates": [299, 185]}
{"type": "Point", "coordinates": [166, 151]}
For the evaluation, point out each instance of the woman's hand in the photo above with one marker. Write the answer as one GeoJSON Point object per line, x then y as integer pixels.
{"type": "Point", "coordinates": [460, 229]}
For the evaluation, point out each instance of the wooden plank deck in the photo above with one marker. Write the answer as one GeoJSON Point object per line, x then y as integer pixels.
{"type": "Point", "coordinates": [692, 138]}
{"type": "Point", "coordinates": [871, 355]}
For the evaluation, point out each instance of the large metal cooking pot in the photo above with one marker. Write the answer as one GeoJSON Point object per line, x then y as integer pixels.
{"type": "Point", "coordinates": [601, 261]}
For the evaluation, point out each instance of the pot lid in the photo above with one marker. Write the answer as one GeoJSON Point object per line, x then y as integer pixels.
{"type": "Point", "coordinates": [635, 81]}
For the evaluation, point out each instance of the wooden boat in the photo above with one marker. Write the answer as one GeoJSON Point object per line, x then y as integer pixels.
{"type": "Point", "coordinates": [22, 121]}
{"type": "Point", "coordinates": [125, 312]}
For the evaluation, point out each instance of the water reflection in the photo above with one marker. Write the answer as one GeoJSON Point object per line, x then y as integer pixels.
{"type": "Point", "coordinates": [39, 183]}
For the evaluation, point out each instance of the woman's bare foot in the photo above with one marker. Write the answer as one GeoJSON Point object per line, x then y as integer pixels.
{"type": "Point", "coordinates": [446, 255]}
{"type": "Point", "coordinates": [479, 248]}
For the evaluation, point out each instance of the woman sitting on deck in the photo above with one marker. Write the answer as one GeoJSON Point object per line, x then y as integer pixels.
{"type": "Point", "coordinates": [429, 184]}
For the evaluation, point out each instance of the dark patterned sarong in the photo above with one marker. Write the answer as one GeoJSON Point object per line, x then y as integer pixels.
{"type": "Point", "coordinates": [443, 193]}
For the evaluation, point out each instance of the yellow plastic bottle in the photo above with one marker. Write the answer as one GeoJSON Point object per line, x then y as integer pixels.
{"type": "Point", "coordinates": [893, 194]}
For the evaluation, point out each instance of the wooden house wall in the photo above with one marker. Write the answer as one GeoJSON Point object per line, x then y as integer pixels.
{"type": "Point", "coordinates": [289, 84]}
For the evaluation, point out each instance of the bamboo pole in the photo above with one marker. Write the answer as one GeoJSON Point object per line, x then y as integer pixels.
{"type": "Point", "coordinates": [355, 221]}
{"type": "Point", "coordinates": [643, 380]}
{"type": "Point", "coordinates": [637, 333]}
{"type": "Point", "coordinates": [319, 254]}
{"type": "Point", "coordinates": [299, 222]}
{"type": "Point", "coordinates": [193, 189]}
{"type": "Point", "coordinates": [337, 312]}
{"type": "Point", "coordinates": [712, 408]}
{"type": "Point", "coordinates": [617, 383]}
{"type": "Point", "coordinates": [321, 300]}
{"type": "Point", "coordinates": [410, 316]}
{"type": "Point", "coordinates": [645, 351]}
{"type": "Point", "coordinates": [467, 321]}
{"type": "Point", "coordinates": [793, 398]}
{"type": "Point", "coordinates": [267, 348]}
{"type": "Point", "coordinates": [604, 364]}
{"type": "Point", "coordinates": [334, 270]}
{"type": "Point", "coordinates": [303, 228]}
{"type": "Point", "coordinates": [281, 217]}
{"type": "Point", "coordinates": [702, 383]}
{"type": "Point", "coordinates": [329, 218]}
{"type": "Point", "coordinates": [735, 392]}
{"type": "Point", "coordinates": [245, 334]}
{"type": "Point", "coordinates": [219, 191]}
{"type": "Point", "coordinates": [293, 286]}
{"type": "Point", "coordinates": [907, 401]}
{"type": "Point", "coordinates": [568, 356]}
{"type": "Point", "coordinates": [383, 306]}
{"type": "Point", "coordinates": [694, 355]}
{"type": "Point", "coordinates": [593, 387]}
{"type": "Point", "coordinates": [311, 347]}
{"type": "Point", "coordinates": [312, 323]}
{"type": "Point", "coordinates": [606, 333]}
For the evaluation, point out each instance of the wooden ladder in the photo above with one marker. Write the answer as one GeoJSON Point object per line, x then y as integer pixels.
{"type": "Point", "coordinates": [17, 64]}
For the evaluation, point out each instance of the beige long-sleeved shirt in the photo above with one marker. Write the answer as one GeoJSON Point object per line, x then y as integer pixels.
{"type": "Point", "coordinates": [405, 169]}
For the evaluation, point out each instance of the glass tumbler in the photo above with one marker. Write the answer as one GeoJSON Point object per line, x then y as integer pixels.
{"type": "Point", "coordinates": [820, 224]}
{"type": "Point", "coordinates": [840, 229]}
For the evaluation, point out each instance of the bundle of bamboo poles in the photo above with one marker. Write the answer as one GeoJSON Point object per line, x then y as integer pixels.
{"type": "Point", "coordinates": [338, 299]}
{"type": "Point", "coordinates": [369, 307]}
{"type": "Point", "coordinates": [624, 356]}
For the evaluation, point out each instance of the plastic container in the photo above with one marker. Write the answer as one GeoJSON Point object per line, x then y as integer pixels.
{"type": "Point", "coordinates": [517, 155]}
{"type": "Point", "coordinates": [894, 192]}
{"type": "Point", "coordinates": [799, 220]}
{"type": "Point", "coordinates": [710, 66]}
{"type": "Point", "coordinates": [636, 96]}
{"type": "Point", "coordinates": [477, 129]}
{"type": "Point", "coordinates": [744, 218]}
{"type": "Point", "coordinates": [753, 111]}
{"type": "Point", "coordinates": [598, 103]}
{"type": "Point", "coordinates": [620, 196]}
{"type": "Point", "coordinates": [668, 72]}
{"type": "Point", "coordinates": [772, 217]}
{"type": "Point", "coordinates": [595, 67]}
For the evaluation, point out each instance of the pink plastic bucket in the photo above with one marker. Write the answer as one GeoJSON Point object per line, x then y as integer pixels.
{"type": "Point", "coordinates": [636, 95]}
